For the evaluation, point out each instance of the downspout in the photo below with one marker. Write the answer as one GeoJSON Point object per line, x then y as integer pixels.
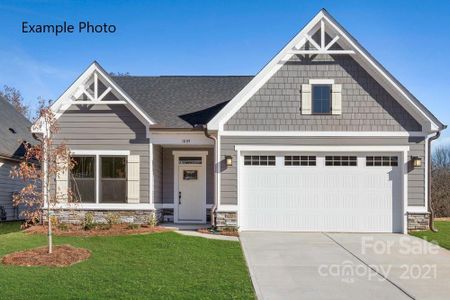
{"type": "Point", "coordinates": [216, 171]}
{"type": "Point", "coordinates": [430, 208]}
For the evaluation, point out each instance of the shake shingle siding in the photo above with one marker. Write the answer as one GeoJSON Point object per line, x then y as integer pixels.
{"type": "Point", "coordinates": [416, 182]}
{"type": "Point", "coordinates": [366, 105]}
{"type": "Point", "coordinates": [103, 127]}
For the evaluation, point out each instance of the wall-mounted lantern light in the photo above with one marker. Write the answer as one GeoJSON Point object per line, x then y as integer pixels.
{"type": "Point", "coordinates": [229, 161]}
{"type": "Point", "coordinates": [416, 161]}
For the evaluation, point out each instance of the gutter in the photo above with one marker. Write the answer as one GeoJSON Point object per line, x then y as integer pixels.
{"type": "Point", "coordinates": [216, 170]}
{"type": "Point", "coordinates": [430, 208]}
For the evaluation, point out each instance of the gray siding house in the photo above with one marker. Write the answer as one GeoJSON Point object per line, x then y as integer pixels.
{"type": "Point", "coordinates": [14, 131]}
{"type": "Point", "coordinates": [323, 138]}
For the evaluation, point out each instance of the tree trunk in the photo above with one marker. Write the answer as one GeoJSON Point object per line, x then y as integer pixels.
{"type": "Point", "coordinates": [46, 195]}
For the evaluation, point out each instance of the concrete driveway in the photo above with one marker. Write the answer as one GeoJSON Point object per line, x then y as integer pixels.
{"type": "Point", "coordinates": [345, 266]}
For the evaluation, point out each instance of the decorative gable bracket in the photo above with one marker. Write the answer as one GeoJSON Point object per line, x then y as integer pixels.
{"type": "Point", "coordinates": [322, 46]}
{"type": "Point", "coordinates": [93, 87]}
{"type": "Point", "coordinates": [95, 91]}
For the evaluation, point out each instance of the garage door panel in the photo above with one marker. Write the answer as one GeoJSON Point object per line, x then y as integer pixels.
{"type": "Point", "coordinates": [320, 198]}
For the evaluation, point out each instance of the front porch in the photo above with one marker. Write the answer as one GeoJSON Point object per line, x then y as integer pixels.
{"type": "Point", "coordinates": [183, 177]}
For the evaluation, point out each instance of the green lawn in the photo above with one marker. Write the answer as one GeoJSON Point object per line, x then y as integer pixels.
{"type": "Point", "coordinates": [157, 266]}
{"type": "Point", "coordinates": [442, 237]}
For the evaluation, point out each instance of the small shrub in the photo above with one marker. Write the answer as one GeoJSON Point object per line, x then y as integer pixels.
{"type": "Point", "coordinates": [88, 222]}
{"type": "Point", "coordinates": [54, 220]}
{"type": "Point", "coordinates": [104, 226]}
{"type": "Point", "coordinates": [112, 219]}
{"type": "Point", "coordinates": [63, 226]}
{"type": "Point", "coordinates": [153, 220]}
{"type": "Point", "coordinates": [229, 229]}
{"type": "Point", "coordinates": [133, 226]}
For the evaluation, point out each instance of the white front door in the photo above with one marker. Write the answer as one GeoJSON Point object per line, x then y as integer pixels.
{"type": "Point", "coordinates": [191, 198]}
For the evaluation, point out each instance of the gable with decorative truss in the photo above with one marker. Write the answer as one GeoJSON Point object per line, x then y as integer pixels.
{"type": "Point", "coordinates": [96, 91]}
{"type": "Point", "coordinates": [95, 87]}
{"type": "Point", "coordinates": [324, 36]}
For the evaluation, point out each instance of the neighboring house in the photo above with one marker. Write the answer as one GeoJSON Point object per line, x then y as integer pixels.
{"type": "Point", "coordinates": [14, 131]}
{"type": "Point", "coordinates": [323, 138]}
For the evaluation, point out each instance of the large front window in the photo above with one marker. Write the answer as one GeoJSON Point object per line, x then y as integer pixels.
{"type": "Point", "coordinates": [113, 179]}
{"type": "Point", "coordinates": [103, 173]}
{"type": "Point", "coordinates": [83, 183]}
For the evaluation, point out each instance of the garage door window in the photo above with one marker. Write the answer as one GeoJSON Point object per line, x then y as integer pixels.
{"type": "Point", "coordinates": [376, 161]}
{"type": "Point", "coordinates": [341, 161]}
{"type": "Point", "coordinates": [300, 160]}
{"type": "Point", "coordinates": [259, 160]}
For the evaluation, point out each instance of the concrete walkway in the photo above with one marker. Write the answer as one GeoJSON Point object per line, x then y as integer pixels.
{"type": "Point", "coordinates": [208, 236]}
{"type": "Point", "coordinates": [345, 266]}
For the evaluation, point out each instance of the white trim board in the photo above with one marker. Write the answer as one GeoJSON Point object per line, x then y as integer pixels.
{"type": "Point", "coordinates": [361, 55]}
{"type": "Point", "coordinates": [104, 206]}
{"type": "Point", "coordinates": [287, 148]}
{"type": "Point", "coordinates": [100, 152]}
{"type": "Point", "coordinates": [325, 133]}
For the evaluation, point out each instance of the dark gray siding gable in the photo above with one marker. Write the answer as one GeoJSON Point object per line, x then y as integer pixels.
{"type": "Point", "coordinates": [366, 105]}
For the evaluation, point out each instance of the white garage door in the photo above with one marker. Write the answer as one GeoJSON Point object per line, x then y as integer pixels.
{"type": "Point", "coordinates": [323, 192]}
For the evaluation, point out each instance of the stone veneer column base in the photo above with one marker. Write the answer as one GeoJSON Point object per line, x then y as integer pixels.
{"type": "Point", "coordinates": [418, 221]}
{"type": "Point", "coordinates": [226, 219]}
{"type": "Point", "coordinates": [100, 216]}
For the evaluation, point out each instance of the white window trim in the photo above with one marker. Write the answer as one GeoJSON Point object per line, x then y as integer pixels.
{"type": "Point", "coordinates": [176, 156]}
{"type": "Point", "coordinates": [321, 81]}
{"type": "Point", "coordinates": [97, 154]}
{"type": "Point", "coordinates": [104, 206]}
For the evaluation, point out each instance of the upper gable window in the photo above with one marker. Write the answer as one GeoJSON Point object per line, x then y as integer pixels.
{"type": "Point", "coordinates": [321, 99]}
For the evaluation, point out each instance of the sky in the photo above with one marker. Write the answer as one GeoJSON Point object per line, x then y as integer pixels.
{"type": "Point", "coordinates": [211, 37]}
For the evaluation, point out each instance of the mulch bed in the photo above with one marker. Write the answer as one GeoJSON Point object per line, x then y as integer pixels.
{"type": "Point", "coordinates": [114, 230]}
{"type": "Point", "coordinates": [217, 232]}
{"type": "Point", "coordinates": [62, 256]}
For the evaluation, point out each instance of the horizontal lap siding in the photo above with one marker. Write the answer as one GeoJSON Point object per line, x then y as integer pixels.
{"type": "Point", "coordinates": [416, 182]}
{"type": "Point", "coordinates": [103, 127]}
{"type": "Point", "coordinates": [168, 174]}
{"type": "Point", "coordinates": [157, 174]}
{"type": "Point", "coordinates": [8, 186]}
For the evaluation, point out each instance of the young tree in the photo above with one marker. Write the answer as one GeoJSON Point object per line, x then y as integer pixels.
{"type": "Point", "coordinates": [42, 104]}
{"type": "Point", "coordinates": [43, 162]}
{"type": "Point", "coordinates": [13, 96]}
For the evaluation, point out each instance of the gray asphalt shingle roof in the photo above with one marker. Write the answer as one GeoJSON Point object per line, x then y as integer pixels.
{"type": "Point", "coordinates": [11, 143]}
{"type": "Point", "coordinates": [182, 101]}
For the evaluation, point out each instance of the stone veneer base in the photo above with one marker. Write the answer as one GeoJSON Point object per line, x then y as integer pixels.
{"type": "Point", "coordinates": [100, 216]}
{"type": "Point", "coordinates": [226, 219]}
{"type": "Point", "coordinates": [418, 221]}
